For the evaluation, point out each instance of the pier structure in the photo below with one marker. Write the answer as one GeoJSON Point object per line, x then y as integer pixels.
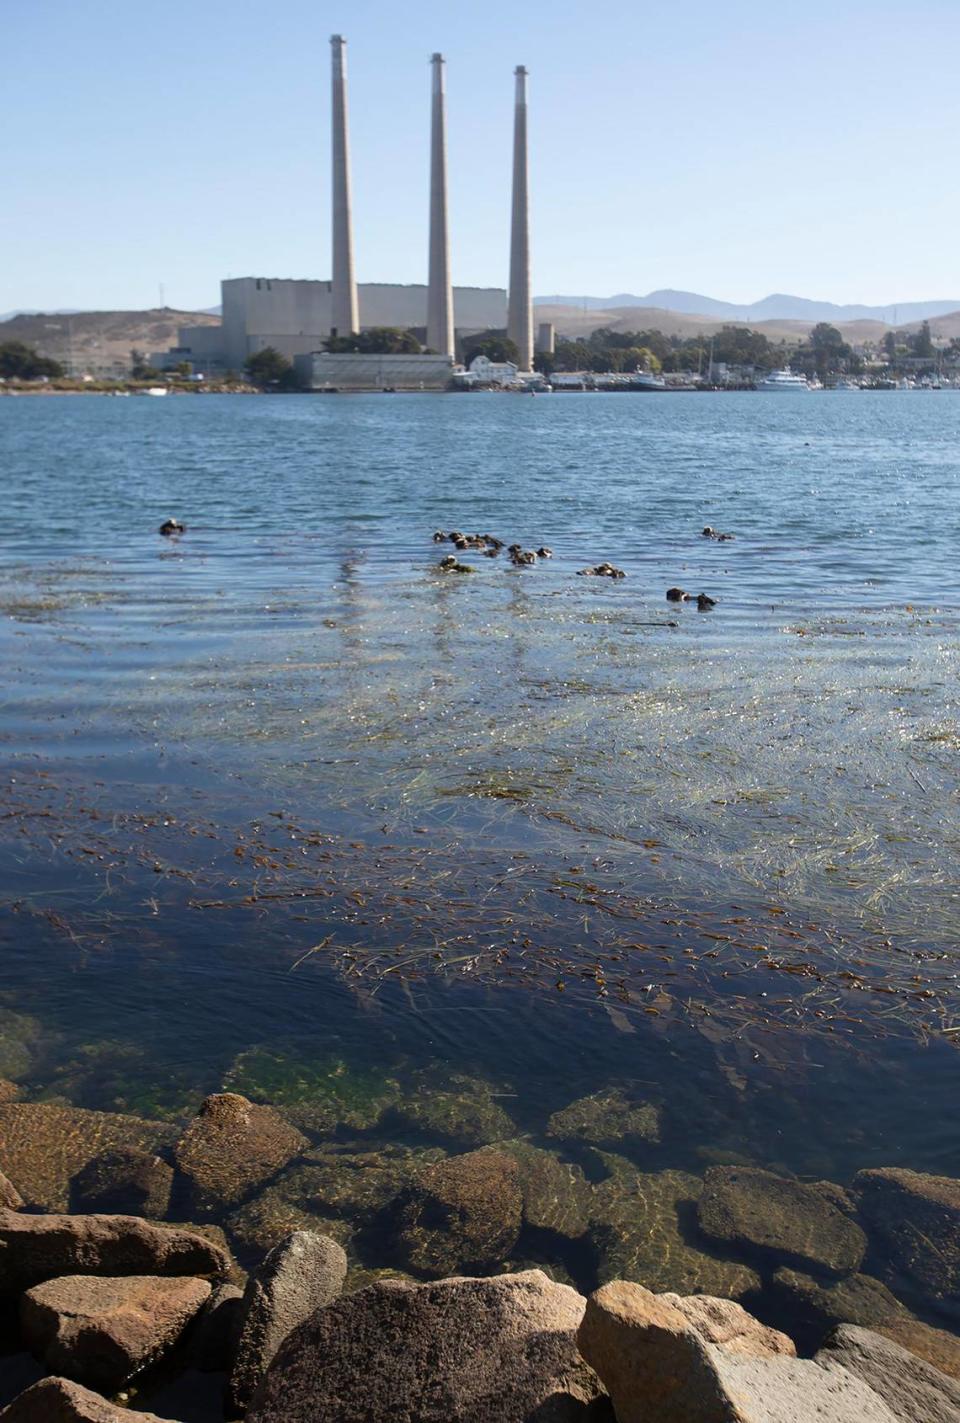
{"type": "Point", "coordinates": [344, 307]}
{"type": "Point", "coordinates": [439, 291]}
{"type": "Point", "coordinates": [519, 300]}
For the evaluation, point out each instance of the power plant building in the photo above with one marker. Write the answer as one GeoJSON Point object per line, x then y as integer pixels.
{"type": "Point", "coordinates": [297, 318]}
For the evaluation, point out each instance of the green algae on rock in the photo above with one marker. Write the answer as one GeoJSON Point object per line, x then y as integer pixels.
{"type": "Point", "coordinates": [637, 1227]}
{"type": "Point", "coordinates": [317, 1094]}
{"type": "Point", "coordinates": [43, 1146]}
{"type": "Point", "coordinates": [610, 1118]}
{"type": "Point", "coordinates": [456, 1109]}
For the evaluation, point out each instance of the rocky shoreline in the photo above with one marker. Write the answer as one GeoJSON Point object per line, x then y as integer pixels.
{"type": "Point", "coordinates": [326, 1281]}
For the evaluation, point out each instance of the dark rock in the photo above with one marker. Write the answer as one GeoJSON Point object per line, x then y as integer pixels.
{"type": "Point", "coordinates": [659, 1368]}
{"type": "Point", "coordinates": [123, 1182]}
{"type": "Point", "coordinates": [913, 1390]}
{"type": "Point", "coordinates": [302, 1274]}
{"type": "Point", "coordinates": [462, 1214]}
{"type": "Point", "coordinates": [613, 1118]}
{"type": "Point", "coordinates": [101, 1331]}
{"type": "Point", "coordinates": [916, 1217]}
{"type": "Point", "coordinates": [56, 1400]}
{"type": "Point", "coordinates": [858, 1299]}
{"type": "Point", "coordinates": [704, 602]}
{"type": "Point", "coordinates": [757, 1210]}
{"type": "Point", "coordinates": [213, 1341]}
{"type": "Point", "coordinates": [638, 1225]}
{"type": "Point", "coordinates": [34, 1248]}
{"type": "Point", "coordinates": [231, 1147]}
{"type": "Point", "coordinates": [43, 1146]}
{"type": "Point", "coordinates": [457, 1351]}
{"type": "Point", "coordinates": [10, 1197]}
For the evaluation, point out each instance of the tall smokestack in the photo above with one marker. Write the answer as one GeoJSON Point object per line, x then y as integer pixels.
{"type": "Point", "coordinates": [345, 318]}
{"type": "Point", "coordinates": [439, 292]}
{"type": "Point", "coordinates": [519, 304]}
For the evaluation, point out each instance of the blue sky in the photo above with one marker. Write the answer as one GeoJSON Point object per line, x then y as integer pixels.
{"type": "Point", "coordinates": [731, 148]}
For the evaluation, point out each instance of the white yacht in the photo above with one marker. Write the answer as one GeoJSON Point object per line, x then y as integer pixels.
{"type": "Point", "coordinates": [783, 380]}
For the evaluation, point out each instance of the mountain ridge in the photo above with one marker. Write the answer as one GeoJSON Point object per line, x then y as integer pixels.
{"type": "Point", "coordinates": [778, 306]}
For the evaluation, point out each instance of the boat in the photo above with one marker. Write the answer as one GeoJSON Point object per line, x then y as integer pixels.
{"type": "Point", "coordinates": [156, 390]}
{"type": "Point", "coordinates": [783, 380]}
{"type": "Point", "coordinates": [643, 380]}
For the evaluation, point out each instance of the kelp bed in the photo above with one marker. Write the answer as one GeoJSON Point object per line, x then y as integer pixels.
{"type": "Point", "coordinates": [726, 840]}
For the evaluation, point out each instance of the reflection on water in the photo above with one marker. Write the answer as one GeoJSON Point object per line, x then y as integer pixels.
{"type": "Point", "coordinates": [424, 859]}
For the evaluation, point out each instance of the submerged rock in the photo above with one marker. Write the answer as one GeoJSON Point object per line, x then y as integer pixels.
{"type": "Point", "coordinates": [914, 1391]}
{"type": "Point", "coordinates": [858, 1299]}
{"type": "Point", "coordinates": [56, 1400]}
{"type": "Point", "coordinates": [330, 1191]}
{"type": "Point", "coordinates": [660, 1368]}
{"type": "Point", "coordinates": [317, 1094]}
{"type": "Point", "coordinates": [302, 1274]}
{"type": "Point", "coordinates": [34, 1248]}
{"type": "Point", "coordinates": [43, 1146]}
{"type": "Point", "coordinates": [556, 1195]}
{"type": "Point", "coordinates": [125, 1182]}
{"type": "Point", "coordinates": [786, 1219]}
{"type": "Point", "coordinates": [916, 1218]}
{"type": "Point", "coordinates": [463, 1214]}
{"type": "Point", "coordinates": [18, 1032]}
{"type": "Point", "coordinates": [612, 1118]}
{"type": "Point", "coordinates": [640, 1227]}
{"type": "Point", "coordinates": [231, 1147]}
{"type": "Point", "coordinates": [458, 1351]}
{"type": "Point", "coordinates": [457, 1109]}
{"type": "Point", "coordinates": [263, 1222]}
{"type": "Point", "coordinates": [102, 1331]}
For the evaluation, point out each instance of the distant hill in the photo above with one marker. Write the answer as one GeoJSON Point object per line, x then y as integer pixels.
{"type": "Point", "coordinates": [100, 341]}
{"type": "Point", "coordinates": [574, 321]}
{"type": "Point", "coordinates": [778, 307]}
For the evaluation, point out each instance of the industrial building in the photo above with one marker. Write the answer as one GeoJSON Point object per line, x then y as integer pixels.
{"type": "Point", "coordinates": [297, 318]}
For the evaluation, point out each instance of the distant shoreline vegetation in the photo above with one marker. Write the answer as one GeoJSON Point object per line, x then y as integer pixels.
{"type": "Point", "coordinates": [823, 355]}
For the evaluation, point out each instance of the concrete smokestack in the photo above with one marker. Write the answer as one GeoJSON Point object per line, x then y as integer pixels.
{"type": "Point", "coordinates": [345, 318]}
{"type": "Point", "coordinates": [519, 303]}
{"type": "Point", "coordinates": [439, 291]}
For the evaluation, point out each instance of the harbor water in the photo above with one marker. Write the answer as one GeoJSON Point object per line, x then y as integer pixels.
{"type": "Point", "coordinates": [287, 810]}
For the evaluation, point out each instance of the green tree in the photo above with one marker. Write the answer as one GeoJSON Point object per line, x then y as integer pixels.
{"type": "Point", "coordinates": [923, 343]}
{"type": "Point", "coordinates": [495, 345]}
{"type": "Point", "coordinates": [269, 368]}
{"type": "Point", "coordinates": [21, 362]}
{"type": "Point", "coordinates": [376, 341]}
